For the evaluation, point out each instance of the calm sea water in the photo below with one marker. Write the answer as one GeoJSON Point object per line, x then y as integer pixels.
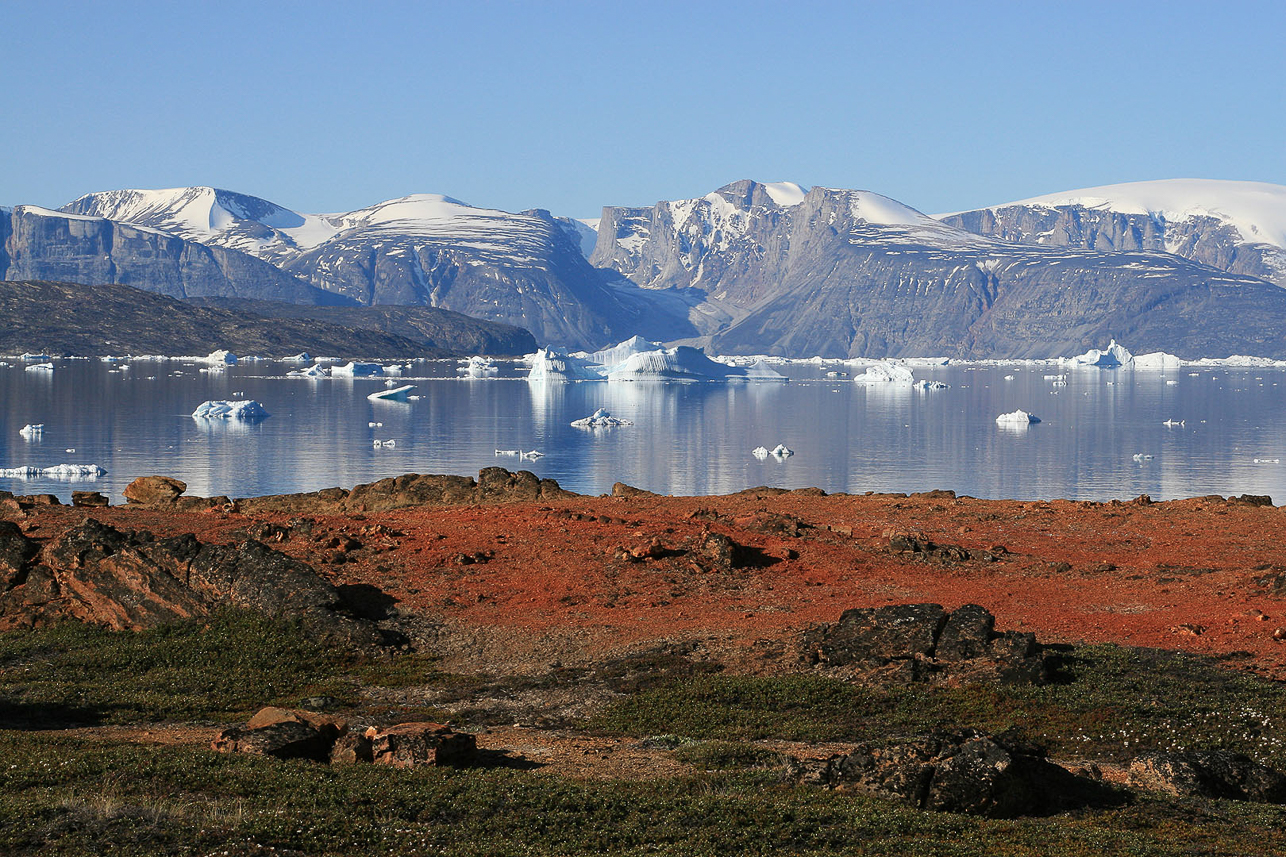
{"type": "Point", "coordinates": [686, 438]}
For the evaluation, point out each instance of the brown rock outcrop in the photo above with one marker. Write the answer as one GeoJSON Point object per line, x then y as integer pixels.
{"type": "Point", "coordinates": [1208, 773]}
{"type": "Point", "coordinates": [154, 490]}
{"type": "Point", "coordinates": [409, 745]}
{"type": "Point", "coordinates": [16, 553]}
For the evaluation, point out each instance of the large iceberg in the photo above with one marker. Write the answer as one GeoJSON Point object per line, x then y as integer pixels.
{"type": "Point", "coordinates": [620, 352]}
{"type": "Point", "coordinates": [887, 373]}
{"type": "Point", "coordinates": [553, 365]}
{"type": "Point", "coordinates": [357, 370]}
{"type": "Point", "coordinates": [1114, 355]}
{"type": "Point", "coordinates": [221, 357]}
{"type": "Point", "coordinates": [240, 409]}
{"type": "Point", "coordinates": [684, 363]}
{"type": "Point", "coordinates": [1157, 360]}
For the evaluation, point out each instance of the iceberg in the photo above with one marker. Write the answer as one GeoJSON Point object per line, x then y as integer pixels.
{"type": "Point", "coordinates": [221, 357]}
{"type": "Point", "coordinates": [31, 431]}
{"type": "Point", "coordinates": [478, 367]}
{"type": "Point", "coordinates": [782, 451]}
{"type": "Point", "coordinates": [553, 365]}
{"type": "Point", "coordinates": [30, 355]}
{"type": "Point", "coordinates": [923, 385]}
{"type": "Point", "coordinates": [315, 371]}
{"type": "Point", "coordinates": [684, 363]}
{"type": "Point", "coordinates": [243, 409]}
{"type": "Point", "coordinates": [600, 419]}
{"type": "Point", "coordinates": [396, 394]}
{"type": "Point", "coordinates": [886, 373]}
{"type": "Point", "coordinates": [41, 367]}
{"type": "Point", "coordinates": [1017, 418]}
{"type": "Point", "coordinates": [58, 471]}
{"type": "Point", "coordinates": [1157, 360]}
{"type": "Point", "coordinates": [760, 452]}
{"type": "Point", "coordinates": [1111, 357]}
{"type": "Point", "coordinates": [354, 369]}
{"type": "Point", "coordinates": [620, 352]}
{"type": "Point", "coordinates": [301, 357]}
{"type": "Point", "coordinates": [387, 444]}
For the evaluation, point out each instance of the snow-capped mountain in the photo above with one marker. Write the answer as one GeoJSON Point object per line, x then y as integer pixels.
{"type": "Point", "coordinates": [1234, 226]}
{"type": "Point", "coordinates": [853, 273]}
{"type": "Point", "coordinates": [523, 269]}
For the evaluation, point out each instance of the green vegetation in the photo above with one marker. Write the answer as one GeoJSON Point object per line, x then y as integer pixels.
{"type": "Point", "coordinates": [1107, 703]}
{"type": "Point", "coordinates": [90, 793]}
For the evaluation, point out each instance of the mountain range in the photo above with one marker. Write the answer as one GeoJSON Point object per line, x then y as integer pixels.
{"type": "Point", "coordinates": [1189, 266]}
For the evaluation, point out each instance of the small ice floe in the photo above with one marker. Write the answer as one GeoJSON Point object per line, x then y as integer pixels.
{"type": "Point", "coordinates": [1267, 461]}
{"type": "Point", "coordinates": [508, 452]}
{"type": "Point", "coordinates": [923, 385]}
{"type": "Point", "coordinates": [357, 370]}
{"type": "Point", "coordinates": [41, 367]}
{"type": "Point", "coordinates": [1142, 456]}
{"type": "Point", "coordinates": [31, 431]}
{"type": "Point", "coordinates": [58, 471]}
{"type": "Point", "coordinates": [375, 425]}
{"type": "Point", "coordinates": [245, 409]}
{"type": "Point", "coordinates": [70, 449]}
{"type": "Point", "coordinates": [1055, 377]}
{"type": "Point", "coordinates": [29, 356]}
{"type": "Point", "coordinates": [760, 452]}
{"type": "Point", "coordinates": [315, 371]}
{"type": "Point", "coordinates": [1170, 382]}
{"type": "Point", "coordinates": [1017, 418]}
{"type": "Point", "coordinates": [782, 451]}
{"type": "Point", "coordinates": [1172, 423]}
{"type": "Point", "coordinates": [1058, 383]}
{"type": "Point", "coordinates": [396, 394]}
{"type": "Point", "coordinates": [301, 357]}
{"type": "Point", "coordinates": [531, 456]}
{"type": "Point", "coordinates": [600, 419]}
{"type": "Point", "coordinates": [385, 444]}
{"type": "Point", "coordinates": [394, 369]}
{"type": "Point", "coordinates": [1009, 377]}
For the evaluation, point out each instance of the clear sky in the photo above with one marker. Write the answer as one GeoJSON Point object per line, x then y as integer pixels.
{"type": "Point", "coordinates": [330, 106]}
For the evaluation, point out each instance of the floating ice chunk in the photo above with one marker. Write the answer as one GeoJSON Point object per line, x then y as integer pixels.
{"type": "Point", "coordinates": [1267, 461]}
{"type": "Point", "coordinates": [33, 356]}
{"type": "Point", "coordinates": [41, 367]}
{"type": "Point", "coordinates": [386, 444]}
{"type": "Point", "coordinates": [782, 451]}
{"type": "Point", "coordinates": [31, 431]}
{"type": "Point", "coordinates": [600, 419]}
{"type": "Point", "coordinates": [508, 452]}
{"type": "Point", "coordinates": [222, 356]}
{"type": "Point", "coordinates": [395, 369]}
{"type": "Point", "coordinates": [1018, 417]}
{"type": "Point", "coordinates": [301, 357]}
{"type": "Point", "coordinates": [397, 394]}
{"type": "Point", "coordinates": [923, 385]}
{"type": "Point", "coordinates": [1114, 355]}
{"type": "Point", "coordinates": [1156, 361]}
{"type": "Point", "coordinates": [315, 371]}
{"type": "Point", "coordinates": [1009, 377]}
{"type": "Point", "coordinates": [620, 352]}
{"type": "Point", "coordinates": [245, 409]}
{"type": "Point", "coordinates": [478, 367]}
{"type": "Point", "coordinates": [760, 452]}
{"type": "Point", "coordinates": [1171, 383]}
{"type": "Point", "coordinates": [531, 456]}
{"type": "Point", "coordinates": [1055, 377]}
{"type": "Point", "coordinates": [1142, 456]}
{"type": "Point", "coordinates": [58, 471]}
{"type": "Point", "coordinates": [553, 365]}
{"type": "Point", "coordinates": [375, 425]}
{"type": "Point", "coordinates": [684, 363]}
{"type": "Point", "coordinates": [1172, 423]}
{"type": "Point", "coordinates": [886, 373]}
{"type": "Point", "coordinates": [354, 369]}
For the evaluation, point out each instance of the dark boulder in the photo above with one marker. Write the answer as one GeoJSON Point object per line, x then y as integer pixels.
{"type": "Point", "coordinates": [1208, 773]}
{"type": "Point", "coordinates": [16, 553]}
{"type": "Point", "coordinates": [288, 739]}
{"type": "Point", "coordinates": [410, 745]}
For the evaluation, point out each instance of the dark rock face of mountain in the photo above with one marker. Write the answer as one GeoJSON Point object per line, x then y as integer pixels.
{"type": "Point", "coordinates": [851, 273]}
{"type": "Point", "coordinates": [435, 327]}
{"type": "Point", "coordinates": [1207, 240]}
{"type": "Point", "coordinates": [75, 319]}
{"type": "Point", "coordinates": [40, 245]}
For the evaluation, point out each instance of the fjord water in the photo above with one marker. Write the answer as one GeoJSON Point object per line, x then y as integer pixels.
{"type": "Point", "coordinates": [686, 438]}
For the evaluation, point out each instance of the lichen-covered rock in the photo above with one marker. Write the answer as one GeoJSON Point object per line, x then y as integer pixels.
{"type": "Point", "coordinates": [409, 745]}
{"type": "Point", "coordinates": [154, 490]}
{"type": "Point", "coordinates": [1208, 773]}
{"type": "Point", "coordinates": [287, 739]}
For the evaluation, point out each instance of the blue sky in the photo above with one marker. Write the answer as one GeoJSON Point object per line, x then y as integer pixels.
{"type": "Point", "coordinates": [569, 106]}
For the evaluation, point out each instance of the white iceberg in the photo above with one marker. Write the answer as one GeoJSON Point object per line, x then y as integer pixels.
{"type": "Point", "coordinates": [388, 444]}
{"type": "Point", "coordinates": [886, 373]}
{"type": "Point", "coordinates": [58, 471]}
{"type": "Point", "coordinates": [600, 419]}
{"type": "Point", "coordinates": [531, 456]}
{"type": "Point", "coordinates": [242, 409]}
{"type": "Point", "coordinates": [397, 394]}
{"type": "Point", "coordinates": [41, 367]}
{"type": "Point", "coordinates": [221, 357]}
{"type": "Point", "coordinates": [684, 363]}
{"type": "Point", "coordinates": [760, 452]}
{"type": "Point", "coordinates": [478, 367]}
{"type": "Point", "coordinates": [301, 357]}
{"type": "Point", "coordinates": [923, 385]}
{"type": "Point", "coordinates": [1157, 361]}
{"type": "Point", "coordinates": [31, 431]}
{"type": "Point", "coordinates": [30, 355]}
{"type": "Point", "coordinates": [354, 369]}
{"type": "Point", "coordinates": [553, 365]}
{"type": "Point", "coordinates": [1142, 456]}
{"type": "Point", "coordinates": [1017, 418]}
{"type": "Point", "coordinates": [782, 451]}
{"type": "Point", "coordinates": [1172, 423]}
{"type": "Point", "coordinates": [508, 452]}
{"type": "Point", "coordinates": [315, 371]}
{"type": "Point", "coordinates": [619, 353]}
{"type": "Point", "coordinates": [1112, 356]}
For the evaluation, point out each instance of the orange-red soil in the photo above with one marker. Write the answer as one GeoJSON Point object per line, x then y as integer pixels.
{"type": "Point", "coordinates": [549, 584]}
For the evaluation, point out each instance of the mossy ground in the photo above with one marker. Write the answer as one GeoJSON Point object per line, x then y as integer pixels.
{"type": "Point", "coordinates": [72, 794]}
